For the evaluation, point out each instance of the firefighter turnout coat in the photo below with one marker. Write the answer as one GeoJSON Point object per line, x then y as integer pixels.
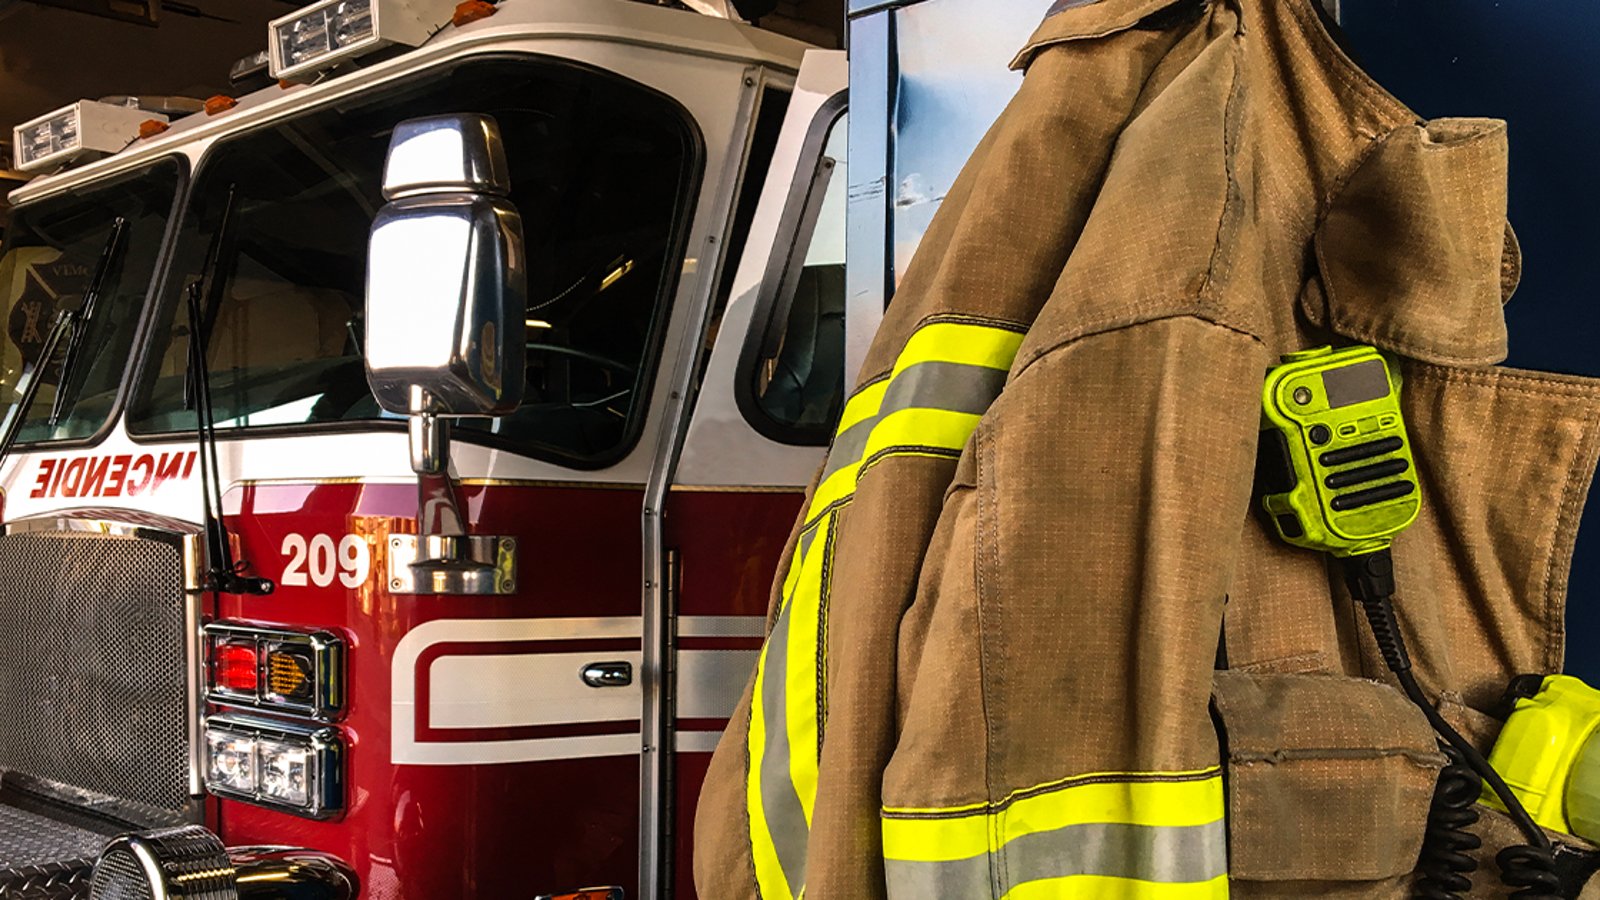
{"type": "Point", "coordinates": [992, 669]}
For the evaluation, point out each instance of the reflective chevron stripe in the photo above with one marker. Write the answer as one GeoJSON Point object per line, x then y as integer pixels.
{"type": "Point", "coordinates": [946, 377]}
{"type": "Point", "coordinates": [944, 380]}
{"type": "Point", "coordinates": [1160, 836]}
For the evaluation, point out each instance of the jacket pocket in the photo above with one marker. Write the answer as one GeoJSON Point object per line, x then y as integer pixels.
{"type": "Point", "coordinates": [1329, 784]}
{"type": "Point", "coordinates": [1076, 20]}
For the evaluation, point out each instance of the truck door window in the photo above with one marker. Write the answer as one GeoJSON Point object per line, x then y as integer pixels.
{"type": "Point", "coordinates": [602, 172]}
{"type": "Point", "coordinates": [791, 370]}
{"type": "Point", "coordinates": [51, 249]}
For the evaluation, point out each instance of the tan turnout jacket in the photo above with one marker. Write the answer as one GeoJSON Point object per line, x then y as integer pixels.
{"type": "Point", "coordinates": [992, 665]}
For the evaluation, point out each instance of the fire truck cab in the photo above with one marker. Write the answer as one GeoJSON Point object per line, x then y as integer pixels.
{"type": "Point", "coordinates": [389, 732]}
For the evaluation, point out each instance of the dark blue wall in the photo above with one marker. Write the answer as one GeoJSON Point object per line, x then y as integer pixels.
{"type": "Point", "coordinates": [1536, 65]}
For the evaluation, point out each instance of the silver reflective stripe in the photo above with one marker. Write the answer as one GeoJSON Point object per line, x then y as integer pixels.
{"type": "Point", "coordinates": [956, 387]}
{"type": "Point", "coordinates": [848, 446]}
{"type": "Point", "coordinates": [806, 538]}
{"type": "Point", "coordinates": [1166, 854]}
{"type": "Point", "coordinates": [785, 819]}
{"type": "Point", "coordinates": [940, 385]}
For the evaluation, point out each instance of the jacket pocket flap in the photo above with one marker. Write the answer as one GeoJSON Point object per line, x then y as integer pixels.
{"type": "Point", "coordinates": [1329, 778]}
{"type": "Point", "coordinates": [1071, 20]}
{"type": "Point", "coordinates": [1414, 253]}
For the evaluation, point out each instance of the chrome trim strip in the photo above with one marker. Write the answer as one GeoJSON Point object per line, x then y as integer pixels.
{"type": "Point", "coordinates": [656, 744]}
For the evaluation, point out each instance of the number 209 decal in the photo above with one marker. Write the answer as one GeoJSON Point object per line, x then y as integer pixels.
{"type": "Point", "coordinates": [317, 560]}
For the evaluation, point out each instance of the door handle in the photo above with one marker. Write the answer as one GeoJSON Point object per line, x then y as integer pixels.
{"type": "Point", "coordinates": [608, 674]}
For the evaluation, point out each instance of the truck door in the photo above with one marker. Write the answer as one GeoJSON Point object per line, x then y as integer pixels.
{"type": "Point", "coordinates": [774, 383]}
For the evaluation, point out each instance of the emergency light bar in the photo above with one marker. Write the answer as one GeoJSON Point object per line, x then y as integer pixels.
{"type": "Point", "coordinates": [317, 36]}
{"type": "Point", "coordinates": [88, 126]}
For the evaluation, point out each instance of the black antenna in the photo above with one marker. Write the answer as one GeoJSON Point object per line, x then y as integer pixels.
{"type": "Point", "coordinates": [223, 573]}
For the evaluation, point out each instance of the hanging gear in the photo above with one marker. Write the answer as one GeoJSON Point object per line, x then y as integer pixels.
{"type": "Point", "coordinates": [990, 664]}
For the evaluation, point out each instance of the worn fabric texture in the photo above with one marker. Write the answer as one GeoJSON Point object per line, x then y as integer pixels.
{"type": "Point", "coordinates": [992, 662]}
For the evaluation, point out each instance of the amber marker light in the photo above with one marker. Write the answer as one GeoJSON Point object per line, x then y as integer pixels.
{"type": "Point", "coordinates": [299, 673]}
{"type": "Point", "coordinates": [149, 128]}
{"type": "Point", "coordinates": [219, 103]}
{"type": "Point", "coordinates": [471, 11]}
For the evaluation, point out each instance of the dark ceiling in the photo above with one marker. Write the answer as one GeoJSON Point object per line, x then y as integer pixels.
{"type": "Point", "coordinates": [51, 56]}
{"type": "Point", "coordinates": [52, 53]}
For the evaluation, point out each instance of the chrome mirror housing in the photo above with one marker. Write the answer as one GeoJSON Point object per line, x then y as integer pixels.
{"type": "Point", "coordinates": [446, 300]}
{"type": "Point", "coordinates": [446, 283]}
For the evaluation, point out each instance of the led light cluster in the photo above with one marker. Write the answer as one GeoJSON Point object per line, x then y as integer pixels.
{"type": "Point", "coordinates": [314, 38]}
{"type": "Point", "coordinates": [276, 764]}
{"type": "Point", "coordinates": [87, 126]}
{"type": "Point", "coordinates": [295, 765]}
{"type": "Point", "coordinates": [292, 671]}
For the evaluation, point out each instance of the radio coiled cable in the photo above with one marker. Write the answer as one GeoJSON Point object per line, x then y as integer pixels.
{"type": "Point", "coordinates": [1446, 861]}
{"type": "Point", "coordinates": [1531, 867]}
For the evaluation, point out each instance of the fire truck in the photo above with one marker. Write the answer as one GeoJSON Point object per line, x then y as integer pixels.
{"type": "Point", "coordinates": [343, 604]}
{"type": "Point", "coordinates": [395, 459]}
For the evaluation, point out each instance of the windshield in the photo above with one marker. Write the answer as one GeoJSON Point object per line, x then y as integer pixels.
{"type": "Point", "coordinates": [600, 171]}
{"type": "Point", "coordinates": [51, 250]}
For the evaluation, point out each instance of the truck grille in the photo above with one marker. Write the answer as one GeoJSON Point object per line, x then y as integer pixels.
{"type": "Point", "coordinates": [93, 687]}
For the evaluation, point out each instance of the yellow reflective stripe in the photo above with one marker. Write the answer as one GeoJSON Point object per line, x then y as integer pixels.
{"type": "Point", "coordinates": [935, 840]}
{"type": "Point", "coordinates": [1165, 803]}
{"type": "Point", "coordinates": [965, 832]}
{"type": "Point", "coordinates": [800, 690]}
{"type": "Point", "coordinates": [938, 428]}
{"type": "Point", "coordinates": [863, 406]}
{"type": "Point", "coordinates": [838, 486]}
{"type": "Point", "coordinates": [1154, 835]}
{"type": "Point", "coordinates": [1105, 887]}
{"type": "Point", "coordinates": [962, 366]}
{"type": "Point", "coordinates": [769, 871]}
{"type": "Point", "coordinates": [964, 343]}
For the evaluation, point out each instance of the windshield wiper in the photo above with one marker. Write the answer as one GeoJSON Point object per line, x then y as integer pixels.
{"type": "Point", "coordinates": [222, 574]}
{"type": "Point", "coordinates": [35, 378]}
{"type": "Point", "coordinates": [85, 314]}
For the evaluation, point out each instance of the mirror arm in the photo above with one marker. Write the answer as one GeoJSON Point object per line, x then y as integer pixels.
{"type": "Point", "coordinates": [438, 511]}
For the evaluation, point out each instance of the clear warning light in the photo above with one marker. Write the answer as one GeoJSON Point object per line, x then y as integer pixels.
{"type": "Point", "coordinates": [318, 36]}
{"type": "Point", "coordinates": [85, 127]}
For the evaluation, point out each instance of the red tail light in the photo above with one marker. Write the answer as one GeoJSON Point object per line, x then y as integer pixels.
{"type": "Point", "coordinates": [235, 668]}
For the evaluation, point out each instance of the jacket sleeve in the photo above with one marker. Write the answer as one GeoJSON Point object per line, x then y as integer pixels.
{"type": "Point", "coordinates": [791, 800]}
{"type": "Point", "coordinates": [1056, 668]}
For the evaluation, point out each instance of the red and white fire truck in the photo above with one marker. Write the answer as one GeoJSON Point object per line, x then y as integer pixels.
{"type": "Point", "coordinates": [239, 592]}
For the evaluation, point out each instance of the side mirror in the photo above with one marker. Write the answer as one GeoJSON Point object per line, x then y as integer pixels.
{"type": "Point", "coordinates": [446, 286]}
{"type": "Point", "coordinates": [446, 300]}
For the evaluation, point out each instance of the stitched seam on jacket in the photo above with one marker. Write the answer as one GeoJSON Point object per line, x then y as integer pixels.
{"type": "Point", "coordinates": [825, 595]}
{"type": "Point", "coordinates": [1038, 43]}
{"type": "Point", "coordinates": [1419, 758]}
{"type": "Point", "coordinates": [1232, 201]}
{"type": "Point", "coordinates": [1159, 312]}
{"type": "Point", "coordinates": [981, 552]}
{"type": "Point", "coordinates": [1040, 790]}
{"type": "Point", "coordinates": [1564, 532]}
{"type": "Point", "coordinates": [744, 807]}
{"type": "Point", "coordinates": [1567, 385]}
{"type": "Point", "coordinates": [1563, 541]}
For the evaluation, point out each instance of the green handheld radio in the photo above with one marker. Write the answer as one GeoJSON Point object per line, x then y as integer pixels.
{"type": "Point", "coordinates": [1336, 475]}
{"type": "Point", "coordinates": [1337, 469]}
